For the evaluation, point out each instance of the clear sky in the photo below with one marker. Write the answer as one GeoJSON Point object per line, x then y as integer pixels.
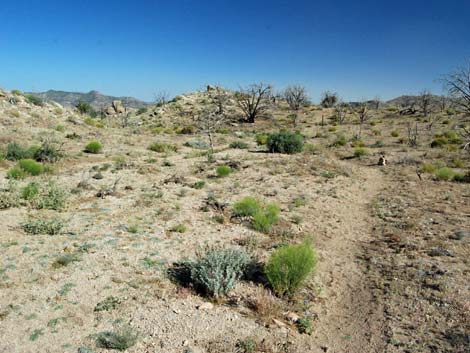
{"type": "Point", "coordinates": [359, 49]}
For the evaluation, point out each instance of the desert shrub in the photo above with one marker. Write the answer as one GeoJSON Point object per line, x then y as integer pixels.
{"type": "Point", "coordinates": [452, 137]}
{"type": "Point", "coordinates": [261, 139]}
{"type": "Point", "coordinates": [59, 128]}
{"type": "Point", "coordinates": [285, 142]}
{"type": "Point", "coordinates": [187, 130]}
{"type": "Point", "coordinates": [239, 145]}
{"type": "Point", "coordinates": [247, 345]}
{"type": "Point", "coordinates": [65, 260]}
{"type": "Point", "coordinates": [51, 226]}
{"type": "Point", "coordinates": [197, 144]}
{"type": "Point", "coordinates": [305, 325]}
{"type": "Point", "coordinates": [439, 142]}
{"type": "Point", "coordinates": [34, 100]}
{"type": "Point", "coordinates": [310, 148]}
{"type": "Point", "coordinates": [289, 266]}
{"type": "Point", "coordinates": [395, 133]}
{"type": "Point", "coordinates": [9, 197]}
{"type": "Point", "coordinates": [264, 219]}
{"type": "Point", "coordinates": [120, 340]}
{"type": "Point", "coordinates": [162, 147]}
{"type": "Point", "coordinates": [179, 228]}
{"type": "Point", "coordinates": [141, 111]}
{"type": "Point", "coordinates": [444, 173]}
{"type": "Point", "coordinates": [377, 132]}
{"type": "Point", "coordinates": [47, 152]}
{"type": "Point", "coordinates": [332, 128]}
{"type": "Point", "coordinates": [457, 163]}
{"type": "Point", "coordinates": [51, 197]}
{"type": "Point", "coordinates": [85, 108]}
{"type": "Point", "coordinates": [359, 152]}
{"type": "Point", "coordinates": [16, 173]}
{"type": "Point", "coordinates": [378, 144]}
{"type": "Point", "coordinates": [223, 171]}
{"type": "Point", "coordinates": [358, 143]}
{"type": "Point", "coordinates": [16, 92]}
{"type": "Point", "coordinates": [428, 168]}
{"type": "Point", "coordinates": [218, 270]}
{"type": "Point", "coordinates": [461, 177]}
{"type": "Point", "coordinates": [340, 141]}
{"type": "Point", "coordinates": [30, 191]}
{"type": "Point", "coordinates": [15, 152]}
{"type": "Point", "coordinates": [247, 206]}
{"type": "Point", "coordinates": [451, 111]}
{"type": "Point", "coordinates": [93, 147]}
{"type": "Point", "coordinates": [199, 184]}
{"type": "Point", "coordinates": [30, 166]}
{"type": "Point", "coordinates": [107, 304]}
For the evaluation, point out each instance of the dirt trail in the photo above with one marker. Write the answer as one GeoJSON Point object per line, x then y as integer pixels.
{"type": "Point", "coordinates": [351, 320]}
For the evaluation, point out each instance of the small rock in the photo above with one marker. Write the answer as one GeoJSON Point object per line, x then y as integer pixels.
{"type": "Point", "coordinates": [206, 306]}
{"type": "Point", "coordinates": [292, 317]}
{"type": "Point", "coordinates": [279, 323]}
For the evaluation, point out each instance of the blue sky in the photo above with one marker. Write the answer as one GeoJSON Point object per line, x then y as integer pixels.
{"type": "Point", "coordinates": [359, 49]}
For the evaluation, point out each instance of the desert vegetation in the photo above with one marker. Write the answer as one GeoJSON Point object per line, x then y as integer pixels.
{"type": "Point", "coordinates": [236, 221]}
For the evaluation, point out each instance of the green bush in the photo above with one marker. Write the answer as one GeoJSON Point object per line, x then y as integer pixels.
{"type": "Point", "coordinates": [340, 141]}
{"type": "Point", "coordinates": [261, 139]}
{"type": "Point", "coordinates": [289, 266]}
{"type": "Point", "coordinates": [16, 152]}
{"type": "Point", "coordinates": [285, 142]}
{"type": "Point", "coordinates": [141, 111]}
{"type": "Point", "coordinates": [47, 152]}
{"type": "Point", "coordinates": [16, 173]}
{"type": "Point", "coordinates": [162, 147]}
{"type": "Point", "coordinates": [93, 147]}
{"type": "Point", "coordinates": [395, 133]}
{"type": "Point", "coordinates": [247, 206]}
{"type": "Point", "coordinates": [264, 220]}
{"type": "Point", "coordinates": [31, 167]}
{"type": "Point", "coordinates": [218, 270]}
{"type": "Point", "coordinates": [359, 152]}
{"type": "Point", "coordinates": [30, 191]}
{"type": "Point", "coordinates": [444, 174]}
{"type": "Point", "coordinates": [239, 145]}
{"type": "Point", "coordinates": [85, 108]}
{"type": "Point", "coordinates": [179, 228]}
{"type": "Point", "coordinates": [223, 171]}
{"type": "Point", "coordinates": [262, 217]}
{"type": "Point", "coordinates": [428, 168]}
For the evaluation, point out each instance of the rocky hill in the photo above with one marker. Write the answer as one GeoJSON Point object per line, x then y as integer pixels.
{"type": "Point", "coordinates": [96, 99]}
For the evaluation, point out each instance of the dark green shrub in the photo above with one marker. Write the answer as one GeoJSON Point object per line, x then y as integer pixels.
{"type": "Point", "coordinates": [395, 133]}
{"type": "Point", "coordinates": [239, 145]}
{"type": "Point", "coordinates": [285, 142]}
{"type": "Point", "coordinates": [218, 270]}
{"type": "Point", "coordinates": [34, 100]}
{"type": "Point", "coordinates": [289, 266]}
{"type": "Point", "coordinates": [223, 171]}
{"type": "Point", "coordinates": [85, 108]}
{"type": "Point", "coordinates": [444, 174]}
{"type": "Point", "coordinates": [142, 110]}
{"type": "Point", "coordinates": [31, 167]}
{"type": "Point", "coordinates": [340, 141]}
{"type": "Point", "coordinates": [47, 152]}
{"type": "Point", "coordinates": [65, 260]}
{"type": "Point", "coordinates": [16, 152]}
{"type": "Point", "coordinates": [93, 147]}
{"type": "Point", "coordinates": [305, 325]}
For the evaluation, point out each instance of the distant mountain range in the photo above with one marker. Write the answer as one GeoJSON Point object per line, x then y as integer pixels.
{"type": "Point", "coordinates": [94, 98]}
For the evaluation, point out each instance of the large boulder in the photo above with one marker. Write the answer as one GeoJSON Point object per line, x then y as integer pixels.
{"type": "Point", "coordinates": [118, 108]}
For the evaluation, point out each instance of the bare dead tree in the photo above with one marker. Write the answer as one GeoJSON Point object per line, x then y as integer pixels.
{"type": "Point", "coordinates": [213, 115]}
{"type": "Point", "coordinates": [329, 99]}
{"type": "Point", "coordinates": [340, 113]}
{"type": "Point", "coordinates": [457, 84]}
{"type": "Point", "coordinates": [375, 102]}
{"type": "Point", "coordinates": [161, 98]}
{"type": "Point", "coordinates": [408, 105]}
{"type": "Point", "coordinates": [424, 102]}
{"type": "Point", "coordinates": [254, 100]}
{"type": "Point", "coordinates": [296, 97]}
{"type": "Point", "coordinates": [444, 103]}
{"type": "Point", "coordinates": [465, 134]}
{"type": "Point", "coordinates": [363, 116]}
